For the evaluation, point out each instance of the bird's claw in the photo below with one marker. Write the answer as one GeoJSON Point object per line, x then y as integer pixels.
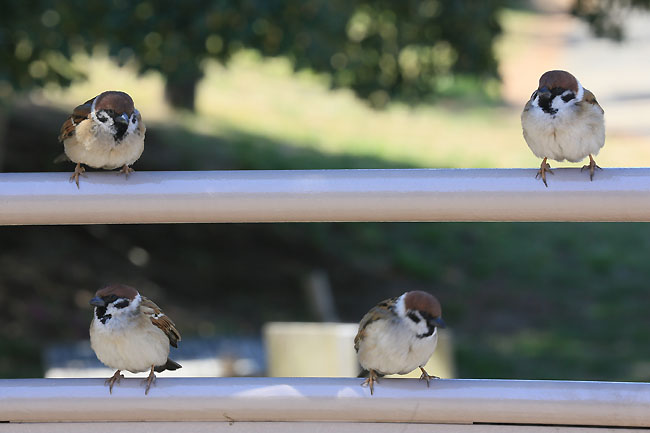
{"type": "Point", "coordinates": [117, 377]}
{"type": "Point", "coordinates": [544, 168]}
{"type": "Point", "coordinates": [370, 381]}
{"type": "Point", "coordinates": [149, 381]}
{"type": "Point", "coordinates": [78, 171]}
{"type": "Point", "coordinates": [592, 166]}
{"type": "Point", "coordinates": [126, 170]}
{"type": "Point", "coordinates": [426, 376]}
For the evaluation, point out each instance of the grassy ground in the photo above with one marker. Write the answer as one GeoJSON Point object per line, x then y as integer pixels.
{"type": "Point", "coordinates": [563, 301]}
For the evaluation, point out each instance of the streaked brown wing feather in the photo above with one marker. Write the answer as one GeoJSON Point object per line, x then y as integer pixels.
{"type": "Point", "coordinates": [78, 114]}
{"type": "Point", "coordinates": [590, 98]}
{"type": "Point", "coordinates": [159, 319]}
{"type": "Point", "coordinates": [379, 311]}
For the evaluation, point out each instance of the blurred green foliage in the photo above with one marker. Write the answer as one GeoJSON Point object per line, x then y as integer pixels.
{"type": "Point", "coordinates": [606, 17]}
{"type": "Point", "coordinates": [381, 49]}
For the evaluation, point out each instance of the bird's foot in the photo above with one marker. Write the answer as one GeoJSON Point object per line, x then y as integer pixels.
{"type": "Point", "coordinates": [426, 376]}
{"type": "Point", "coordinates": [149, 380]}
{"type": "Point", "coordinates": [543, 169]}
{"type": "Point", "coordinates": [117, 377]}
{"type": "Point", "coordinates": [78, 171]}
{"type": "Point", "coordinates": [126, 170]}
{"type": "Point", "coordinates": [592, 166]}
{"type": "Point", "coordinates": [370, 380]}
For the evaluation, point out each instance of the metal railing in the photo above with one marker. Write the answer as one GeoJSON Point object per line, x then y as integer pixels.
{"type": "Point", "coordinates": [325, 195]}
{"type": "Point", "coordinates": [446, 401]}
{"type": "Point", "coordinates": [291, 404]}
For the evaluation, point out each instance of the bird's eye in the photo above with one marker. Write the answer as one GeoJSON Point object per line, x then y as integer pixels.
{"type": "Point", "coordinates": [102, 117]}
{"type": "Point", "coordinates": [133, 120]}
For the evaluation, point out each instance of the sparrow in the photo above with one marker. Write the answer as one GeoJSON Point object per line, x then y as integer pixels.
{"type": "Point", "coordinates": [562, 120]}
{"type": "Point", "coordinates": [129, 332]}
{"type": "Point", "coordinates": [398, 335]}
{"type": "Point", "coordinates": [104, 132]}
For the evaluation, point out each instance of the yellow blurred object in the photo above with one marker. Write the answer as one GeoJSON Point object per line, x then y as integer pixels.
{"type": "Point", "coordinates": [297, 349]}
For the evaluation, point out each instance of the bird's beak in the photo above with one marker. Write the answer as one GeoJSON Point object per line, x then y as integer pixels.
{"type": "Point", "coordinates": [438, 322]}
{"type": "Point", "coordinates": [123, 118]}
{"type": "Point", "coordinates": [97, 302]}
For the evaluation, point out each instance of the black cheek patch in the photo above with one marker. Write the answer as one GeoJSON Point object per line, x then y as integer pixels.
{"type": "Point", "coordinates": [414, 317]}
{"type": "Point", "coordinates": [568, 97]}
{"type": "Point", "coordinates": [429, 332]}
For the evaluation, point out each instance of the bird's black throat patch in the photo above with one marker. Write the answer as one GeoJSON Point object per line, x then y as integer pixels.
{"type": "Point", "coordinates": [120, 130]}
{"type": "Point", "coordinates": [100, 312]}
{"type": "Point", "coordinates": [546, 104]}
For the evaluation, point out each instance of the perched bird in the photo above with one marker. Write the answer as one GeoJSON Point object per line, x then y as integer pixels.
{"type": "Point", "coordinates": [562, 120]}
{"type": "Point", "coordinates": [105, 132]}
{"type": "Point", "coordinates": [129, 332]}
{"type": "Point", "coordinates": [399, 335]}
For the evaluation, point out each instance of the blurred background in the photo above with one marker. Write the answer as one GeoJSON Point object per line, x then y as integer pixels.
{"type": "Point", "coordinates": [292, 84]}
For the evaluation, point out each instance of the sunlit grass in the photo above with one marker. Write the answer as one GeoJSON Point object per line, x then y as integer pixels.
{"type": "Point", "coordinates": [265, 97]}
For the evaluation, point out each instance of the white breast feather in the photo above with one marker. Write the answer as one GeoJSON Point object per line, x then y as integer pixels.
{"type": "Point", "coordinates": [94, 145]}
{"type": "Point", "coordinates": [573, 133]}
{"type": "Point", "coordinates": [390, 349]}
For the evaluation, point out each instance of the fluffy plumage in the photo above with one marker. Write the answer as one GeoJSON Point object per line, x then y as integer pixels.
{"type": "Point", "coordinates": [399, 335]}
{"type": "Point", "coordinates": [562, 120]}
{"type": "Point", "coordinates": [104, 132]}
{"type": "Point", "coordinates": [130, 332]}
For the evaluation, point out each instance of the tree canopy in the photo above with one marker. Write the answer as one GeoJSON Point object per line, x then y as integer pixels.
{"type": "Point", "coordinates": [606, 17]}
{"type": "Point", "coordinates": [381, 49]}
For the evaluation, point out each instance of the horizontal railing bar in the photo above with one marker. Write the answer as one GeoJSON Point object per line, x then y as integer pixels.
{"type": "Point", "coordinates": [615, 194]}
{"type": "Point", "coordinates": [293, 427]}
{"type": "Point", "coordinates": [454, 401]}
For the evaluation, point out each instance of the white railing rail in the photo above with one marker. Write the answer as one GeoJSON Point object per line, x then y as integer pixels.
{"type": "Point", "coordinates": [446, 401]}
{"type": "Point", "coordinates": [616, 194]}
{"type": "Point", "coordinates": [337, 405]}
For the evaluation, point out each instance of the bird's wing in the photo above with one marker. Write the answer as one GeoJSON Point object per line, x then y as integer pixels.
{"type": "Point", "coordinates": [159, 319]}
{"type": "Point", "coordinates": [80, 113]}
{"type": "Point", "coordinates": [379, 311]}
{"type": "Point", "coordinates": [591, 99]}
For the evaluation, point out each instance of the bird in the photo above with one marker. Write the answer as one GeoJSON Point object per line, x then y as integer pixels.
{"type": "Point", "coordinates": [398, 335]}
{"type": "Point", "coordinates": [105, 132]}
{"type": "Point", "coordinates": [562, 120]}
{"type": "Point", "coordinates": [130, 332]}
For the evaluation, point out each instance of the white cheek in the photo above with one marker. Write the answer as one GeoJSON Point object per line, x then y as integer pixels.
{"type": "Point", "coordinates": [126, 313]}
{"type": "Point", "coordinates": [132, 127]}
{"type": "Point", "coordinates": [418, 328]}
{"type": "Point", "coordinates": [106, 127]}
{"type": "Point", "coordinates": [560, 105]}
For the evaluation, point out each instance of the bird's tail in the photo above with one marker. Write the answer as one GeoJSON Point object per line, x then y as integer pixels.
{"type": "Point", "coordinates": [61, 158]}
{"type": "Point", "coordinates": [169, 365]}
